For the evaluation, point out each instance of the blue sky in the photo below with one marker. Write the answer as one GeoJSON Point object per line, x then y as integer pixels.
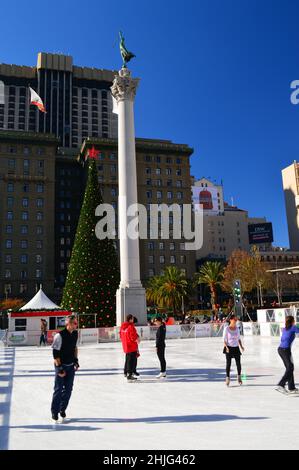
{"type": "Point", "coordinates": [214, 74]}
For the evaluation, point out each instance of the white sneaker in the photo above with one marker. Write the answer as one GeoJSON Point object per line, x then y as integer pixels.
{"type": "Point", "coordinates": [162, 375]}
{"type": "Point", "coordinates": [281, 390]}
{"type": "Point", "coordinates": [293, 392]}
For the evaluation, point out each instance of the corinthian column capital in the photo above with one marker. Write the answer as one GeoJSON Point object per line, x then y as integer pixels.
{"type": "Point", "coordinates": [124, 86]}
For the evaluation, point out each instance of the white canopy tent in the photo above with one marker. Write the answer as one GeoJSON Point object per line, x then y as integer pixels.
{"type": "Point", "coordinates": [40, 302]}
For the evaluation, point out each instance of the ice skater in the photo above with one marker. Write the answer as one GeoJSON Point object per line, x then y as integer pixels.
{"type": "Point", "coordinates": [285, 352]}
{"type": "Point", "coordinates": [160, 345]}
{"type": "Point", "coordinates": [65, 353]}
{"type": "Point", "coordinates": [130, 340]}
{"type": "Point", "coordinates": [232, 346]}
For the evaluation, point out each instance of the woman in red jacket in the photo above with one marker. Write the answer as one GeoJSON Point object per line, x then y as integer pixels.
{"type": "Point", "coordinates": [130, 339]}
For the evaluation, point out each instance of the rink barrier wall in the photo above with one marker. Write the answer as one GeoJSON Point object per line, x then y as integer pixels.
{"type": "Point", "coordinates": [146, 333]}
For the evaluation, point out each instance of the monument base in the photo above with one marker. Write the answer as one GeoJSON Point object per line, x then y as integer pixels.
{"type": "Point", "coordinates": [131, 300]}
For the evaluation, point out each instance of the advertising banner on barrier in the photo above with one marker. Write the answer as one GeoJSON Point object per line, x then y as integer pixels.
{"type": "Point", "coordinates": [143, 331]}
{"type": "Point", "coordinates": [88, 335]}
{"type": "Point", "coordinates": [262, 316]}
{"type": "Point", "coordinates": [173, 331]}
{"type": "Point", "coordinates": [202, 330]}
{"type": "Point", "coordinates": [50, 335]}
{"type": "Point", "coordinates": [15, 338]}
{"type": "Point", "coordinates": [247, 329]}
{"type": "Point", "coordinates": [280, 314]}
{"type": "Point", "coordinates": [265, 329]}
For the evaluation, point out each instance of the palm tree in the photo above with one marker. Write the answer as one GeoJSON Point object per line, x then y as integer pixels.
{"type": "Point", "coordinates": [168, 289]}
{"type": "Point", "coordinates": [211, 274]}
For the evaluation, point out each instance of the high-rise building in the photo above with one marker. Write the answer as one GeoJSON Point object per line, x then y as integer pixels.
{"type": "Point", "coordinates": [290, 178]}
{"type": "Point", "coordinates": [77, 99]}
{"type": "Point", "coordinates": [27, 186]}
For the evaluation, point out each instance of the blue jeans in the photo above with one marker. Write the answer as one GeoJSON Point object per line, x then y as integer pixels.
{"type": "Point", "coordinates": [62, 389]}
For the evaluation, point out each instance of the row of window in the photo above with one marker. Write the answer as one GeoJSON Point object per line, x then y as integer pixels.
{"type": "Point", "coordinates": [159, 159]}
{"type": "Point", "coordinates": [161, 245]}
{"type": "Point", "coordinates": [152, 272]}
{"type": "Point", "coordinates": [24, 229]}
{"type": "Point", "coordinates": [23, 150]}
{"type": "Point", "coordinates": [159, 194]}
{"type": "Point", "coordinates": [150, 182]}
{"type": "Point", "coordinates": [25, 187]}
{"type": "Point", "coordinates": [25, 202]}
{"type": "Point", "coordinates": [172, 259]}
{"type": "Point", "coordinates": [9, 244]}
{"type": "Point", "coordinates": [24, 215]}
{"type": "Point", "coordinates": [23, 287]}
{"type": "Point", "coordinates": [23, 259]}
{"type": "Point", "coordinates": [158, 171]}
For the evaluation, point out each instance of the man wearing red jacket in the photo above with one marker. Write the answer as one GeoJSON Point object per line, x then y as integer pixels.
{"type": "Point", "coordinates": [130, 339]}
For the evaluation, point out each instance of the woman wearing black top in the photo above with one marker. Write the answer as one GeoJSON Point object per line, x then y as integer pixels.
{"type": "Point", "coordinates": [160, 345]}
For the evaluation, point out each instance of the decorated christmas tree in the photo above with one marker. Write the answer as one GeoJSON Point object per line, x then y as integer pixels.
{"type": "Point", "coordinates": [93, 274]}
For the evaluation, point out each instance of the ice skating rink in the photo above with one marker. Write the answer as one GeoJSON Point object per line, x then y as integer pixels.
{"type": "Point", "coordinates": [191, 409]}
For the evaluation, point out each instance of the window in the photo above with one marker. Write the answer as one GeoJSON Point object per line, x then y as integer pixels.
{"type": "Point", "coordinates": [7, 289]}
{"type": "Point", "coordinates": [178, 172]}
{"type": "Point", "coordinates": [168, 171]}
{"type": "Point", "coordinates": [8, 244]}
{"type": "Point", "coordinates": [26, 187]}
{"type": "Point", "coordinates": [24, 215]}
{"type": "Point", "coordinates": [39, 216]}
{"type": "Point", "coordinates": [162, 259]}
{"type": "Point", "coordinates": [151, 272]}
{"type": "Point", "coordinates": [161, 246]}
{"type": "Point", "coordinates": [24, 259]}
{"type": "Point", "coordinates": [113, 192]}
{"type": "Point", "coordinates": [24, 229]}
{"type": "Point", "coordinates": [24, 244]}
{"type": "Point", "coordinates": [148, 158]}
{"type": "Point", "coordinates": [159, 182]}
{"type": "Point", "coordinates": [178, 160]}
{"type": "Point", "coordinates": [8, 259]}
{"type": "Point", "coordinates": [25, 202]}
{"type": "Point", "coordinates": [38, 259]}
{"type": "Point", "coordinates": [169, 194]}
{"type": "Point", "coordinates": [39, 230]}
{"type": "Point", "coordinates": [40, 202]}
{"type": "Point", "coordinates": [172, 259]}
{"type": "Point", "coordinates": [148, 171]}
{"type": "Point", "coordinates": [158, 171]}
{"type": "Point", "coordinates": [148, 194]}
{"type": "Point", "coordinates": [26, 150]}
{"type": "Point", "coordinates": [7, 274]}
{"type": "Point", "coordinates": [180, 195]}
{"type": "Point", "coordinates": [183, 259]}
{"type": "Point", "coordinates": [113, 169]}
{"type": "Point", "coordinates": [172, 246]}
{"type": "Point", "coordinates": [149, 182]}
{"type": "Point", "coordinates": [40, 187]}
{"type": "Point", "coordinates": [20, 324]}
{"type": "Point", "coordinates": [9, 215]}
{"type": "Point", "coordinates": [159, 194]}
{"type": "Point", "coordinates": [182, 246]}
{"type": "Point", "coordinates": [38, 273]}
{"type": "Point", "coordinates": [24, 274]}
{"type": "Point", "coordinates": [10, 187]}
{"type": "Point", "coordinates": [150, 246]}
{"type": "Point", "coordinates": [151, 259]}
{"type": "Point", "coordinates": [179, 183]}
{"type": "Point", "coordinates": [11, 164]}
{"type": "Point", "coordinates": [23, 288]}
{"type": "Point", "coordinates": [26, 166]}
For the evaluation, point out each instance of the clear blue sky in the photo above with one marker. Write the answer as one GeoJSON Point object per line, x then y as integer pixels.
{"type": "Point", "coordinates": [214, 74]}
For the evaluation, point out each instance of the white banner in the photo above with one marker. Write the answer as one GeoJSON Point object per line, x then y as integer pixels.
{"type": "Point", "coordinates": [143, 331]}
{"type": "Point", "coordinates": [14, 338]}
{"type": "Point", "coordinates": [247, 329]}
{"type": "Point", "coordinates": [89, 335]}
{"type": "Point", "coordinates": [265, 329]}
{"type": "Point", "coordinates": [173, 331]}
{"type": "Point", "coordinates": [202, 330]}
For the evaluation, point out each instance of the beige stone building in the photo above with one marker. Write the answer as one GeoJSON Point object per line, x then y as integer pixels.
{"type": "Point", "coordinates": [225, 227]}
{"type": "Point", "coordinates": [290, 178]}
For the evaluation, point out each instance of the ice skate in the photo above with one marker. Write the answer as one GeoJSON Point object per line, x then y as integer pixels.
{"type": "Point", "coordinates": [295, 391]}
{"type": "Point", "coordinates": [240, 382]}
{"type": "Point", "coordinates": [131, 378]}
{"type": "Point", "coordinates": [281, 389]}
{"type": "Point", "coordinates": [62, 417]}
{"type": "Point", "coordinates": [227, 381]}
{"type": "Point", "coordinates": [55, 418]}
{"type": "Point", "coordinates": [162, 375]}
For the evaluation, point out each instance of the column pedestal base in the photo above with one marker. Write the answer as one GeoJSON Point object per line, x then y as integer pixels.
{"type": "Point", "coordinates": [131, 300]}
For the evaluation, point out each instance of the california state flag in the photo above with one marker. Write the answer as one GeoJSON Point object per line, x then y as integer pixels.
{"type": "Point", "coordinates": [36, 100]}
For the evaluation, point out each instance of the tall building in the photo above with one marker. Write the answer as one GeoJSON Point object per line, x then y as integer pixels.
{"type": "Point", "coordinates": [225, 227]}
{"type": "Point", "coordinates": [77, 99]}
{"type": "Point", "coordinates": [27, 211]}
{"type": "Point", "coordinates": [290, 178]}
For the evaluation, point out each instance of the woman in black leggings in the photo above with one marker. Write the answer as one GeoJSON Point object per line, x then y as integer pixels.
{"type": "Point", "coordinates": [232, 345]}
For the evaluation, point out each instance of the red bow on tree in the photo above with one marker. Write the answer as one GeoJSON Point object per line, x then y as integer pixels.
{"type": "Point", "coordinates": [93, 153]}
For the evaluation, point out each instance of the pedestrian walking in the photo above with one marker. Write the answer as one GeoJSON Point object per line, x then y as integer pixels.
{"type": "Point", "coordinates": [232, 346]}
{"type": "Point", "coordinates": [160, 346]}
{"type": "Point", "coordinates": [43, 332]}
{"type": "Point", "coordinates": [130, 340]}
{"type": "Point", "coordinates": [65, 353]}
{"type": "Point", "coordinates": [285, 352]}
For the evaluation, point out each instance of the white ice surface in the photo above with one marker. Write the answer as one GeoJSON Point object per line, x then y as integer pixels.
{"type": "Point", "coordinates": [191, 409]}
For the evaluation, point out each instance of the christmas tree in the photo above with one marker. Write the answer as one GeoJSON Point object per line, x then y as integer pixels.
{"type": "Point", "coordinates": [93, 273]}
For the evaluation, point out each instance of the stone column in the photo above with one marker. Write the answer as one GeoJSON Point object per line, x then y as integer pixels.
{"type": "Point", "coordinates": [130, 296]}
